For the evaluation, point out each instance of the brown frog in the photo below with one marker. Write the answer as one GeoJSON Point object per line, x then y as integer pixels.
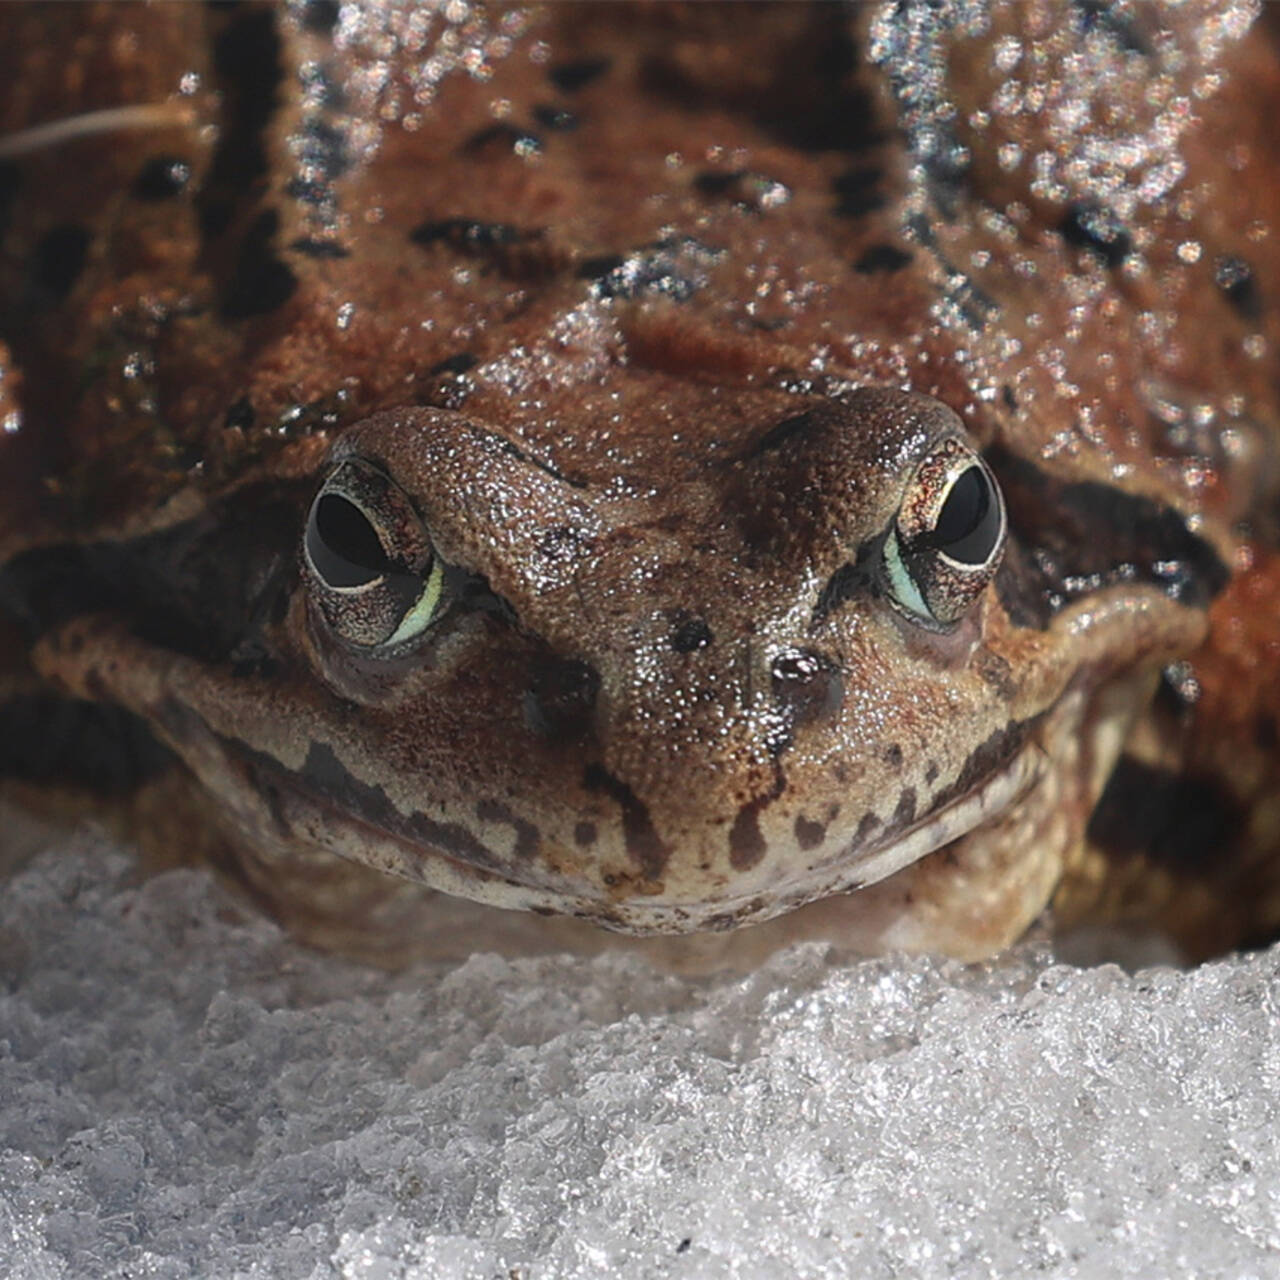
{"type": "Point", "coordinates": [664, 465]}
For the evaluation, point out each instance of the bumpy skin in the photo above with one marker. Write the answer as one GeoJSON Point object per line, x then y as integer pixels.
{"type": "Point", "coordinates": [652, 313]}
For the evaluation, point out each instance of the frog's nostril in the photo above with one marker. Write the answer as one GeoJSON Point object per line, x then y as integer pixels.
{"type": "Point", "coordinates": [560, 698]}
{"type": "Point", "coordinates": [807, 685]}
{"type": "Point", "coordinates": [689, 634]}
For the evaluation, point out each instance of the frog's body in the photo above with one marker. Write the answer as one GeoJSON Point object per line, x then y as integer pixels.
{"type": "Point", "coordinates": [618, 366]}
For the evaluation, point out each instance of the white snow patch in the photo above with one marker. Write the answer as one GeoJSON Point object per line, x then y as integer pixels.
{"type": "Point", "coordinates": [184, 1092]}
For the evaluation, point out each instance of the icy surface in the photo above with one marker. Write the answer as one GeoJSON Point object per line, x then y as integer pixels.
{"type": "Point", "coordinates": [183, 1092]}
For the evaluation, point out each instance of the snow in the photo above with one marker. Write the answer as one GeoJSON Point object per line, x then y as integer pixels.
{"type": "Point", "coordinates": [185, 1092]}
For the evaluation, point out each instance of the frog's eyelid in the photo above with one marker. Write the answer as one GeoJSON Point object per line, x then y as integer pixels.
{"type": "Point", "coordinates": [147, 115]}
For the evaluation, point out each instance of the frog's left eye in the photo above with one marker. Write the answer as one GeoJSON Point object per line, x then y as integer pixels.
{"type": "Point", "coordinates": [946, 542]}
{"type": "Point", "coordinates": [371, 569]}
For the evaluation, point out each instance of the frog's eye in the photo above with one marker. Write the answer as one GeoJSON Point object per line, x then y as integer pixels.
{"type": "Point", "coordinates": [947, 539]}
{"type": "Point", "coordinates": [371, 569]}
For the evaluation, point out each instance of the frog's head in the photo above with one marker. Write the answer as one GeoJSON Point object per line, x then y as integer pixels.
{"type": "Point", "coordinates": [788, 672]}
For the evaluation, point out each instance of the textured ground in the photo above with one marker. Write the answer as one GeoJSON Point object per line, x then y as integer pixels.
{"type": "Point", "coordinates": [185, 1093]}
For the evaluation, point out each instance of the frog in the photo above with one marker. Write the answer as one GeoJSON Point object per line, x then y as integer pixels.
{"type": "Point", "coordinates": [673, 467]}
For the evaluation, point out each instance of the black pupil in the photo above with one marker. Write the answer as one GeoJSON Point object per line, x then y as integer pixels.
{"type": "Point", "coordinates": [342, 544]}
{"type": "Point", "coordinates": [969, 522]}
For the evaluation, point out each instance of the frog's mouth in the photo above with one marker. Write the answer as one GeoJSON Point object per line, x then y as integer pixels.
{"type": "Point", "coordinates": [983, 804]}
{"type": "Point", "coordinates": [859, 862]}
{"type": "Point", "coordinates": [358, 822]}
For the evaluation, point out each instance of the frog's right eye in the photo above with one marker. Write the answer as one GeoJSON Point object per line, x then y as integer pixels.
{"type": "Point", "coordinates": [371, 569]}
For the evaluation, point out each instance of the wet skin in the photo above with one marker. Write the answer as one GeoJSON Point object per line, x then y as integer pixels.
{"type": "Point", "coordinates": [677, 468]}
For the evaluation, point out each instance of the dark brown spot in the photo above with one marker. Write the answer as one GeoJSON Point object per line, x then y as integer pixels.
{"type": "Point", "coordinates": [1184, 823]}
{"type": "Point", "coordinates": [312, 191]}
{"type": "Point", "coordinates": [569, 77]}
{"type": "Point", "coordinates": [931, 773]}
{"type": "Point", "coordinates": [504, 136]}
{"type": "Point", "coordinates": [161, 178]}
{"type": "Point", "coordinates": [247, 71]}
{"type": "Point", "coordinates": [459, 363]}
{"type": "Point", "coordinates": [468, 235]}
{"type": "Point", "coordinates": [1239, 285]}
{"type": "Point", "coordinates": [809, 835]}
{"type": "Point", "coordinates": [527, 838]}
{"type": "Point", "coordinates": [892, 756]}
{"type": "Point", "coordinates": [1103, 15]}
{"type": "Point", "coordinates": [746, 842]}
{"type": "Point", "coordinates": [1097, 229]}
{"type": "Point", "coordinates": [856, 192]}
{"type": "Point", "coordinates": [975, 304]}
{"type": "Point", "coordinates": [321, 16]}
{"type": "Point", "coordinates": [644, 845]}
{"type": "Point", "coordinates": [260, 282]}
{"type": "Point", "coordinates": [866, 825]}
{"type": "Point", "coordinates": [885, 258]}
{"type": "Point", "coordinates": [314, 247]}
{"type": "Point", "coordinates": [906, 811]}
{"type": "Point", "coordinates": [519, 253]}
{"type": "Point", "coordinates": [557, 119]}
{"type": "Point", "coordinates": [585, 834]}
{"type": "Point", "coordinates": [716, 182]}
{"type": "Point", "coordinates": [594, 268]}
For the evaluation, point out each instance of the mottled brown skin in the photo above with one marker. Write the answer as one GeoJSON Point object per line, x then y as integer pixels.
{"type": "Point", "coordinates": [654, 314]}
